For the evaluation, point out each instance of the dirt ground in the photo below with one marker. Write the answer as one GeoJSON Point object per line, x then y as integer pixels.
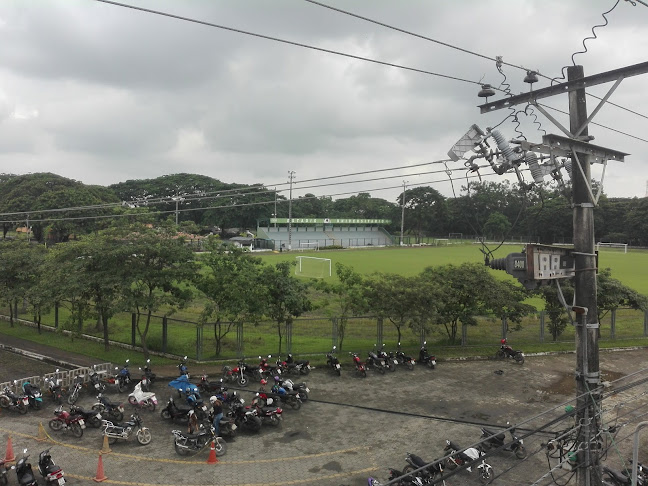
{"type": "Point", "coordinates": [358, 427]}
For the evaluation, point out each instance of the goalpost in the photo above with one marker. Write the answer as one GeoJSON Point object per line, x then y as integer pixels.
{"type": "Point", "coordinates": [308, 245]}
{"type": "Point", "coordinates": [313, 267]}
{"type": "Point", "coordinates": [613, 245]}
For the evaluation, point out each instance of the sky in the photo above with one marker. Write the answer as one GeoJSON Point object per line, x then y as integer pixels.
{"type": "Point", "coordinates": [103, 94]}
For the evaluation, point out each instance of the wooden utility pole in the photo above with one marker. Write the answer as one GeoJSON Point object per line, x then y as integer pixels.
{"type": "Point", "coordinates": [587, 352]}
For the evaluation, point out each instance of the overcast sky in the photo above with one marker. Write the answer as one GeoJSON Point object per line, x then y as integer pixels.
{"type": "Point", "coordinates": [103, 94]}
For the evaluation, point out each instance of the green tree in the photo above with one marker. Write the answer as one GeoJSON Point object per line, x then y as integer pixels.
{"type": "Point", "coordinates": [425, 211]}
{"type": "Point", "coordinates": [497, 226]}
{"type": "Point", "coordinates": [285, 296]}
{"type": "Point", "coordinates": [554, 310]}
{"type": "Point", "coordinates": [469, 290]}
{"type": "Point", "coordinates": [233, 288]}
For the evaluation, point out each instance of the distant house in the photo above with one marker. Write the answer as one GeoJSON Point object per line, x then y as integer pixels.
{"type": "Point", "coordinates": [242, 241]}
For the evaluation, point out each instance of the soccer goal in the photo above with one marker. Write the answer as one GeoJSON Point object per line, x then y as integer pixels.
{"type": "Point", "coordinates": [313, 267]}
{"type": "Point", "coordinates": [308, 245]}
{"type": "Point", "coordinates": [617, 246]}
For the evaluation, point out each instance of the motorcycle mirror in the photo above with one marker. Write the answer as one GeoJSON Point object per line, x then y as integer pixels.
{"type": "Point", "coordinates": [269, 356]}
{"type": "Point", "coordinates": [185, 358]}
{"type": "Point", "coordinates": [128, 361]}
{"type": "Point", "coordinates": [57, 370]}
{"type": "Point", "coordinates": [334, 348]}
{"type": "Point", "coordinates": [24, 451]}
{"type": "Point", "coordinates": [424, 343]}
{"type": "Point", "coordinates": [148, 361]}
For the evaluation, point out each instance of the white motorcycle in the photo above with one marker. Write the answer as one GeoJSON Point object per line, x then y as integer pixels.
{"type": "Point", "coordinates": [142, 399]}
{"type": "Point", "coordinates": [125, 430]}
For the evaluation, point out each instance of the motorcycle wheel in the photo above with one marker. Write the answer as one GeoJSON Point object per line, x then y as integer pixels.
{"type": "Point", "coordinates": [37, 405]}
{"type": "Point", "coordinates": [22, 408]}
{"type": "Point", "coordinates": [94, 422]}
{"type": "Point", "coordinates": [392, 366]}
{"type": "Point", "coordinates": [295, 404]}
{"type": "Point", "coordinates": [274, 421]}
{"type": "Point", "coordinates": [112, 440]}
{"type": "Point", "coordinates": [485, 474]}
{"type": "Point", "coordinates": [4, 402]}
{"type": "Point", "coordinates": [500, 354]}
{"type": "Point", "coordinates": [121, 386]}
{"type": "Point", "coordinates": [181, 451]}
{"type": "Point", "coordinates": [72, 398]}
{"type": "Point", "coordinates": [144, 436]}
{"type": "Point", "coordinates": [55, 424]}
{"type": "Point", "coordinates": [132, 400]}
{"type": "Point", "coordinates": [220, 446]}
{"type": "Point", "coordinates": [304, 370]}
{"type": "Point", "coordinates": [165, 414]}
{"type": "Point", "coordinates": [303, 395]}
{"type": "Point", "coordinates": [243, 381]}
{"type": "Point", "coordinates": [381, 370]}
{"type": "Point", "coordinates": [254, 424]}
{"type": "Point", "coordinates": [519, 357]}
{"type": "Point", "coordinates": [76, 429]}
{"type": "Point", "coordinates": [151, 406]}
{"type": "Point", "coordinates": [450, 464]}
{"type": "Point", "coordinates": [363, 373]}
{"type": "Point", "coordinates": [410, 366]}
{"type": "Point", "coordinates": [117, 415]}
{"type": "Point", "coordinates": [339, 372]}
{"type": "Point", "coordinates": [520, 452]}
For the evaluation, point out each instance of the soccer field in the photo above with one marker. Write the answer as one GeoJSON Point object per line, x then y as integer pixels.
{"type": "Point", "coordinates": [629, 267]}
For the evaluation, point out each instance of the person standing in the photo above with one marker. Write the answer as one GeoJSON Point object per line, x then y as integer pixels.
{"type": "Point", "coordinates": [217, 414]}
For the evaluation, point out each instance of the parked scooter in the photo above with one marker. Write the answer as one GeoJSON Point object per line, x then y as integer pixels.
{"type": "Point", "coordinates": [463, 457]}
{"type": "Point", "coordinates": [425, 358]}
{"type": "Point", "coordinates": [177, 413]}
{"type": "Point", "coordinates": [404, 359]}
{"type": "Point", "coordinates": [333, 362]}
{"type": "Point", "coordinates": [33, 394]}
{"type": "Point", "coordinates": [53, 385]}
{"type": "Point", "coordinates": [430, 472]}
{"type": "Point", "coordinates": [505, 351]}
{"type": "Point", "coordinates": [109, 409]}
{"type": "Point", "coordinates": [52, 474]}
{"type": "Point", "coordinates": [67, 422]}
{"type": "Point", "coordinates": [10, 400]}
{"type": "Point", "coordinates": [24, 471]}
{"type": "Point", "coordinates": [123, 377]}
{"type": "Point", "coordinates": [182, 367]}
{"type": "Point", "coordinates": [494, 440]}
{"type": "Point", "coordinates": [142, 399]}
{"type": "Point", "coordinates": [360, 368]}
{"type": "Point", "coordinates": [91, 417]}
{"type": "Point", "coordinates": [124, 431]}
{"type": "Point", "coordinates": [187, 443]}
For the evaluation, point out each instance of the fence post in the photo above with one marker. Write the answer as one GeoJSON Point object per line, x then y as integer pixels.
{"type": "Point", "coordinates": [646, 323]}
{"type": "Point", "coordinates": [504, 326]}
{"type": "Point", "coordinates": [199, 342]}
{"type": "Point", "coordinates": [422, 336]}
{"type": "Point", "coordinates": [379, 331]}
{"type": "Point", "coordinates": [542, 326]}
{"type": "Point", "coordinates": [289, 328]}
{"type": "Point", "coordinates": [612, 324]}
{"type": "Point", "coordinates": [239, 340]}
{"type": "Point", "coordinates": [56, 315]}
{"type": "Point", "coordinates": [334, 332]}
{"type": "Point", "coordinates": [133, 326]}
{"type": "Point", "coordinates": [165, 336]}
{"type": "Point", "coordinates": [464, 334]}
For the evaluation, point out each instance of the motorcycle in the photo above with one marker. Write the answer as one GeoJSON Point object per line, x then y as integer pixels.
{"type": "Point", "coordinates": [404, 359]}
{"type": "Point", "coordinates": [376, 363]}
{"type": "Point", "coordinates": [186, 443]}
{"type": "Point", "coordinates": [148, 373]}
{"type": "Point", "coordinates": [124, 431]}
{"type": "Point", "coordinates": [67, 422]}
{"type": "Point", "coordinates": [142, 399]}
{"type": "Point", "coordinates": [333, 362]}
{"type": "Point", "coordinates": [389, 359]}
{"type": "Point", "coordinates": [290, 386]}
{"type": "Point", "coordinates": [395, 473]}
{"type": "Point", "coordinates": [245, 418]}
{"type": "Point", "coordinates": [76, 389]}
{"type": "Point", "coordinates": [267, 369]}
{"type": "Point", "coordinates": [52, 474]}
{"type": "Point", "coordinates": [113, 410]}
{"type": "Point", "coordinates": [291, 398]}
{"type": "Point", "coordinates": [495, 440]}
{"type": "Point", "coordinates": [360, 368]}
{"type": "Point", "coordinates": [297, 365]}
{"type": "Point", "coordinates": [177, 413]}
{"type": "Point", "coordinates": [182, 384]}
{"type": "Point", "coordinates": [244, 372]}
{"type": "Point", "coordinates": [33, 394]}
{"type": "Point", "coordinates": [123, 377]}
{"type": "Point", "coordinates": [624, 478]}
{"type": "Point", "coordinates": [4, 480]}
{"type": "Point", "coordinates": [269, 415]}
{"type": "Point", "coordinates": [205, 386]}
{"type": "Point", "coordinates": [227, 426]}
{"type": "Point", "coordinates": [505, 351]}
{"type": "Point", "coordinates": [459, 457]}
{"type": "Point", "coordinates": [425, 358]}
{"type": "Point", "coordinates": [24, 471]}
{"type": "Point", "coordinates": [182, 367]}
{"type": "Point", "coordinates": [95, 381]}
{"type": "Point", "coordinates": [54, 388]}
{"type": "Point", "coordinates": [90, 417]}
{"type": "Point", "coordinates": [430, 472]}
{"type": "Point", "coordinates": [10, 400]}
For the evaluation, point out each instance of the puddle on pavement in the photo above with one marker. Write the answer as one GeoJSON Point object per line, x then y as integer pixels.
{"type": "Point", "coordinates": [331, 466]}
{"type": "Point", "coordinates": [566, 384]}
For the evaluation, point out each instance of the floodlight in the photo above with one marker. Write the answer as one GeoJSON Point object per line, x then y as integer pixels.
{"type": "Point", "coordinates": [466, 143]}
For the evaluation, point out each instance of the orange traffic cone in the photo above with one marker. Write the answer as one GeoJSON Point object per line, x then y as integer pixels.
{"type": "Point", "coordinates": [42, 435]}
{"type": "Point", "coordinates": [212, 454]}
{"type": "Point", "coordinates": [106, 448]}
{"type": "Point", "coordinates": [100, 472]}
{"type": "Point", "coordinates": [9, 456]}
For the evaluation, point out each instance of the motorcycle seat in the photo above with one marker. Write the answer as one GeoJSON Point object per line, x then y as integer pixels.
{"type": "Point", "coordinates": [418, 462]}
{"type": "Point", "coordinates": [52, 468]}
{"type": "Point", "coordinates": [618, 476]}
{"type": "Point", "coordinates": [499, 437]}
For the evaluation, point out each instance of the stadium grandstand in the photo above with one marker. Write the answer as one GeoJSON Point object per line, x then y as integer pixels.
{"type": "Point", "coordinates": [309, 234]}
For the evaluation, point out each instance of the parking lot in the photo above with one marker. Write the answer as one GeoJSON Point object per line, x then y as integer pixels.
{"type": "Point", "coordinates": [351, 428]}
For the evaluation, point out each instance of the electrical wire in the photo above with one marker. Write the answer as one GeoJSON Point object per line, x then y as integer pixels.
{"type": "Point", "coordinates": [285, 41]}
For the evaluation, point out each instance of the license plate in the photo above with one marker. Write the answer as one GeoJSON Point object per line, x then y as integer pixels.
{"type": "Point", "coordinates": [61, 481]}
{"type": "Point", "coordinates": [433, 361]}
{"type": "Point", "coordinates": [81, 422]}
{"type": "Point", "coordinates": [99, 416]}
{"type": "Point", "coordinates": [337, 366]}
{"type": "Point", "coordinates": [382, 363]}
{"type": "Point", "coordinates": [234, 427]}
{"type": "Point", "coordinates": [395, 361]}
{"type": "Point", "coordinates": [121, 409]}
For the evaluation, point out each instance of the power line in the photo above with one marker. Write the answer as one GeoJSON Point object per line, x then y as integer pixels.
{"type": "Point", "coordinates": [293, 43]}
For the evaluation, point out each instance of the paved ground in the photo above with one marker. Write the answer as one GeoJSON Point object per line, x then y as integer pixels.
{"type": "Point", "coordinates": [353, 427]}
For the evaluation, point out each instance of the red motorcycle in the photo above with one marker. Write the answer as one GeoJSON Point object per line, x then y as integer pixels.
{"type": "Point", "coordinates": [505, 351]}
{"type": "Point", "coordinates": [67, 422]}
{"type": "Point", "coordinates": [359, 365]}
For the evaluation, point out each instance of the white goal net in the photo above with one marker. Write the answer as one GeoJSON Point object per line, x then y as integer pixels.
{"type": "Point", "coordinates": [616, 246]}
{"type": "Point", "coordinates": [308, 245]}
{"type": "Point", "coordinates": [313, 267]}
